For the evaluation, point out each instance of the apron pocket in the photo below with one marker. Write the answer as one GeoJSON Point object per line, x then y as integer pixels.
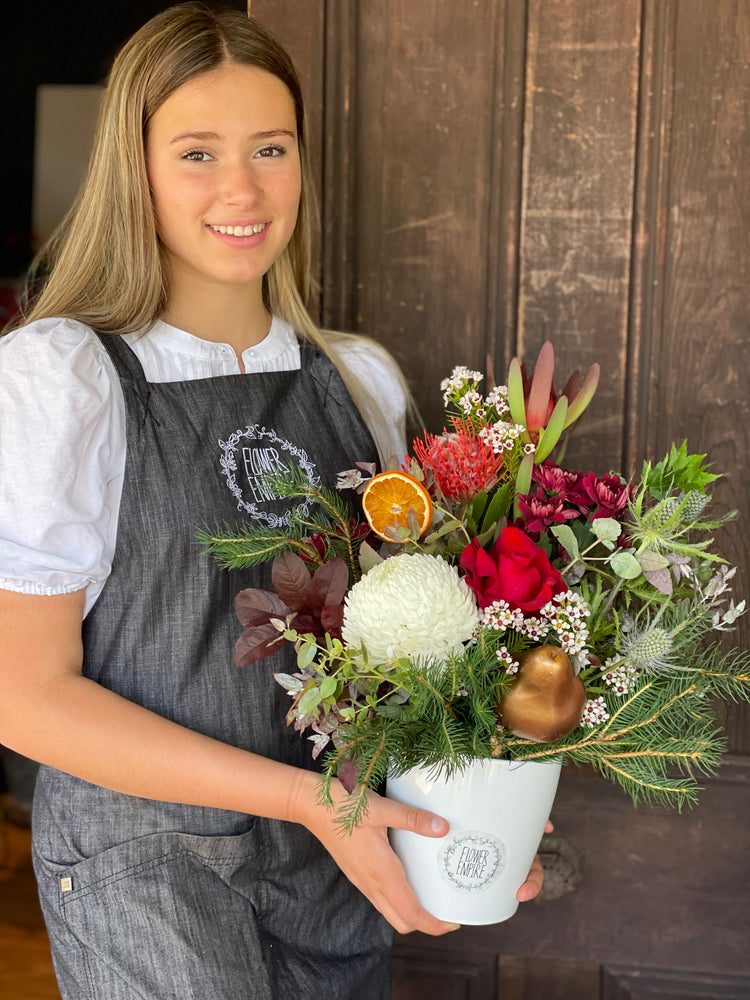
{"type": "Point", "coordinates": [159, 918]}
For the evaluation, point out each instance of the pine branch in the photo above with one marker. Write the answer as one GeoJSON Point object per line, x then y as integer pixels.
{"type": "Point", "coordinates": [253, 545]}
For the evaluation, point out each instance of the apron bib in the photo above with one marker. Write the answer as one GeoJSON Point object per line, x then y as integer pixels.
{"type": "Point", "coordinates": [158, 900]}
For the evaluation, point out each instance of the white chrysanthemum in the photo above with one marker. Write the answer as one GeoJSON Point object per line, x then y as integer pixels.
{"type": "Point", "coordinates": [410, 605]}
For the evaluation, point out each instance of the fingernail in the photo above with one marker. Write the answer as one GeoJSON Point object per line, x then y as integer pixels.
{"type": "Point", "coordinates": [454, 927]}
{"type": "Point", "coordinates": [438, 825]}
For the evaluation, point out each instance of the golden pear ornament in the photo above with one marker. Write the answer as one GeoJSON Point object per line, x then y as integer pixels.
{"type": "Point", "coordinates": [546, 699]}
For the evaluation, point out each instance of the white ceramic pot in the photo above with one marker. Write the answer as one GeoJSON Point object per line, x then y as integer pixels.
{"type": "Point", "coordinates": [497, 810]}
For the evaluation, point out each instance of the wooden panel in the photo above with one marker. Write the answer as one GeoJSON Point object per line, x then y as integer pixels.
{"type": "Point", "coordinates": [454, 974]}
{"type": "Point", "coordinates": [533, 978]}
{"type": "Point", "coordinates": [654, 984]}
{"type": "Point", "coordinates": [426, 144]}
{"type": "Point", "coordinates": [300, 27]}
{"type": "Point", "coordinates": [581, 112]}
{"type": "Point", "coordinates": [699, 386]}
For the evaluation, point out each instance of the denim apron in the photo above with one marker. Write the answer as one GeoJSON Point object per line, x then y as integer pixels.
{"type": "Point", "coordinates": [161, 901]}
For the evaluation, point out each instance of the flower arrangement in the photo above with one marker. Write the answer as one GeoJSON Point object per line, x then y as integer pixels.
{"type": "Point", "coordinates": [493, 603]}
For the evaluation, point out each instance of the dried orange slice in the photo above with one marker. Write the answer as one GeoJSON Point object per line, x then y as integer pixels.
{"type": "Point", "coordinates": [388, 499]}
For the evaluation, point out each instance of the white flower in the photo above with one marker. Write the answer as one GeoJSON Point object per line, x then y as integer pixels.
{"type": "Point", "coordinates": [350, 479]}
{"type": "Point", "coordinates": [410, 605]}
{"type": "Point", "coordinates": [594, 712]}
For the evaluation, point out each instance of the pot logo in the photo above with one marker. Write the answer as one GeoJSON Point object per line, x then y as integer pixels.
{"type": "Point", "coordinates": [249, 457]}
{"type": "Point", "coordinates": [471, 860]}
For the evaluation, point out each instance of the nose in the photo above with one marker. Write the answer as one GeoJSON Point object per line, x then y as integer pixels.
{"type": "Point", "coordinates": [241, 184]}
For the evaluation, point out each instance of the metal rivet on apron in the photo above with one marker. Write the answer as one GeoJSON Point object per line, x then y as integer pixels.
{"type": "Point", "coordinates": [66, 884]}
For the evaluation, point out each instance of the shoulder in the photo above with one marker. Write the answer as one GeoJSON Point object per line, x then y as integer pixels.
{"type": "Point", "coordinates": [55, 349]}
{"type": "Point", "coordinates": [372, 364]}
{"type": "Point", "coordinates": [56, 374]}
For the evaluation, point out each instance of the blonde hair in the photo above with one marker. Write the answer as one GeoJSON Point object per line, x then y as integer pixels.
{"type": "Point", "coordinates": [103, 264]}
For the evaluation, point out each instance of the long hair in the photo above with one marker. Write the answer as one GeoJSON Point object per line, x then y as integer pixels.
{"type": "Point", "coordinates": [103, 265]}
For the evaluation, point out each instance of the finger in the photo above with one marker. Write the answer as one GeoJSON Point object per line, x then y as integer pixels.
{"type": "Point", "coordinates": [398, 903]}
{"type": "Point", "coordinates": [420, 821]}
{"type": "Point", "coordinates": [533, 884]}
{"type": "Point", "coordinates": [548, 827]}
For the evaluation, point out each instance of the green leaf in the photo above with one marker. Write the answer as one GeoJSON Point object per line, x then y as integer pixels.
{"type": "Point", "coordinates": [651, 561]}
{"type": "Point", "coordinates": [567, 539]}
{"type": "Point", "coordinates": [291, 684]}
{"type": "Point", "coordinates": [584, 395]}
{"type": "Point", "coordinates": [306, 654]}
{"type": "Point", "coordinates": [550, 435]}
{"type": "Point", "coordinates": [625, 565]}
{"type": "Point", "coordinates": [499, 506]}
{"type": "Point", "coordinates": [368, 557]}
{"type": "Point", "coordinates": [308, 703]}
{"type": "Point", "coordinates": [606, 528]}
{"type": "Point", "coordinates": [678, 471]}
{"type": "Point", "coordinates": [328, 687]}
{"type": "Point", "coordinates": [478, 506]}
{"type": "Point", "coordinates": [515, 393]}
{"type": "Point", "coordinates": [525, 469]}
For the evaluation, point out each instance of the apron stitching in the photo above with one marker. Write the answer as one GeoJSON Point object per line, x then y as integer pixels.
{"type": "Point", "coordinates": [123, 873]}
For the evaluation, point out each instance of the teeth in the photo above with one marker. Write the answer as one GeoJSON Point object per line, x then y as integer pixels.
{"type": "Point", "coordinates": [240, 230]}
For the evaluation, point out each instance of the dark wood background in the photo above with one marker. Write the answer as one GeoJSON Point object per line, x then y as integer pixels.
{"type": "Point", "coordinates": [494, 173]}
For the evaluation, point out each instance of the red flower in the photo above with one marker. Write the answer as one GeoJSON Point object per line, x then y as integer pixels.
{"type": "Point", "coordinates": [516, 571]}
{"type": "Point", "coordinates": [319, 541]}
{"type": "Point", "coordinates": [539, 512]}
{"type": "Point", "coordinates": [609, 495]}
{"type": "Point", "coordinates": [462, 465]}
{"type": "Point", "coordinates": [561, 482]}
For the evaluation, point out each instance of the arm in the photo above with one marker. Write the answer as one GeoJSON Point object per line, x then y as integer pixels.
{"type": "Point", "coordinates": [50, 712]}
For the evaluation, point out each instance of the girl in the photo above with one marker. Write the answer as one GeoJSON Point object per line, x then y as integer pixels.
{"type": "Point", "coordinates": [179, 843]}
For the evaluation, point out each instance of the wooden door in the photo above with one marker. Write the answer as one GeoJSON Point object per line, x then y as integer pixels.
{"type": "Point", "coordinates": [494, 173]}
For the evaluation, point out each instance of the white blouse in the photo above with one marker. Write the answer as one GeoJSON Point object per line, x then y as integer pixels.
{"type": "Point", "coordinates": [62, 437]}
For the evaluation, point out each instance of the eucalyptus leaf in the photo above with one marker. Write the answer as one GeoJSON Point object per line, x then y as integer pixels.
{"type": "Point", "coordinates": [444, 529]}
{"type": "Point", "coordinates": [567, 539]}
{"type": "Point", "coordinates": [289, 683]}
{"type": "Point", "coordinates": [328, 687]}
{"type": "Point", "coordinates": [661, 579]}
{"type": "Point", "coordinates": [650, 561]}
{"type": "Point", "coordinates": [306, 655]}
{"type": "Point", "coordinates": [368, 557]}
{"type": "Point", "coordinates": [606, 529]}
{"type": "Point", "coordinates": [308, 703]}
{"type": "Point", "coordinates": [625, 565]}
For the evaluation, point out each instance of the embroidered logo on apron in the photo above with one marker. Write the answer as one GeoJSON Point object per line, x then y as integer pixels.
{"type": "Point", "coordinates": [248, 458]}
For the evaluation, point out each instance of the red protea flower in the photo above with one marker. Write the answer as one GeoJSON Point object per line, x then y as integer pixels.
{"type": "Point", "coordinates": [462, 465]}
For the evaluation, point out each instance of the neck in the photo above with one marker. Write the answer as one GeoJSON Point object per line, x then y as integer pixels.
{"type": "Point", "coordinates": [226, 314]}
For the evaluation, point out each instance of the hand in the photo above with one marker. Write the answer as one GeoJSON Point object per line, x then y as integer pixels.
{"type": "Point", "coordinates": [366, 857]}
{"type": "Point", "coordinates": [533, 884]}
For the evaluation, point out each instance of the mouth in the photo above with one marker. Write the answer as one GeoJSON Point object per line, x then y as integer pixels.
{"type": "Point", "coordinates": [252, 230]}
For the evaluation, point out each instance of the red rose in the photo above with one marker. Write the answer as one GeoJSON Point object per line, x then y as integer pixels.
{"type": "Point", "coordinates": [516, 571]}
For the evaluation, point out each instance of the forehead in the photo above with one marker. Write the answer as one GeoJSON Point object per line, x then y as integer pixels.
{"type": "Point", "coordinates": [232, 95]}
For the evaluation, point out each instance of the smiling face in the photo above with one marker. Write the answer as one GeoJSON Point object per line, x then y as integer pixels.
{"type": "Point", "coordinates": [224, 168]}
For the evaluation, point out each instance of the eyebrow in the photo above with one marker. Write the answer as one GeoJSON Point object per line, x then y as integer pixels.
{"type": "Point", "coordinates": [203, 136]}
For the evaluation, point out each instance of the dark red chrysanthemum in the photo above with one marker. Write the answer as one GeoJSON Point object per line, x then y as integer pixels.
{"type": "Point", "coordinates": [539, 511]}
{"type": "Point", "coordinates": [607, 496]}
{"type": "Point", "coordinates": [560, 482]}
